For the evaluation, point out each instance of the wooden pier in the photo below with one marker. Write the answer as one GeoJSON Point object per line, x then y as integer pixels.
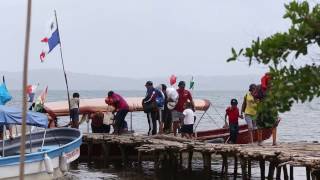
{"type": "Point", "coordinates": [166, 150]}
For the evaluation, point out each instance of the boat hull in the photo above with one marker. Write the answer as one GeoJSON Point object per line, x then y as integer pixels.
{"type": "Point", "coordinates": [61, 147]}
{"type": "Point", "coordinates": [224, 134]}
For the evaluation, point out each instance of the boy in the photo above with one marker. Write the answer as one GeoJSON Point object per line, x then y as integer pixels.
{"type": "Point", "coordinates": [188, 120]}
{"type": "Point", "coordinates": [74, 110]}
{"type": "Point", "coordinates": [233, 115]}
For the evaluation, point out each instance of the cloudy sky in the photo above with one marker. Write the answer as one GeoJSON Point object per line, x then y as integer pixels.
{"type": "Point", "coordinates": [140, 38]}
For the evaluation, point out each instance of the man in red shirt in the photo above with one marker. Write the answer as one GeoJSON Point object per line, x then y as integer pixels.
{"type": "Point", "coordinates": [121, 110]}
{"type": "Point", "coordinates": [233, 115]}
{"type": "Point", "coordinates": [184, 96]}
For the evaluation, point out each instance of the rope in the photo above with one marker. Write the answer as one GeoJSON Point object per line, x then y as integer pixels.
{"type": "Point", "coordinates": [221, 117]}
{"type": "Point", "coordinates": [212, 119]}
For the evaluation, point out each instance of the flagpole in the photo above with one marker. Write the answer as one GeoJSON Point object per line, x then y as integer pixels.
{"type": "Point", "coordinates": [24, 93]}
{"type": "Point", "coordinates": [64, 72]}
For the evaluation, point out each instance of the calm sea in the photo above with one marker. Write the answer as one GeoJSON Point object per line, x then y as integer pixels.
{"type": "Point", "coordinates": [300, 124]}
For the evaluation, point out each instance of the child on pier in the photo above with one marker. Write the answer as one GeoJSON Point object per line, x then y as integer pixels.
{"type": "Point", "coordinates": [74, 110]}
{"type": "Point", "coordinates": [233, 115]}
{"type": "Point", "coordinates": [188, 120]}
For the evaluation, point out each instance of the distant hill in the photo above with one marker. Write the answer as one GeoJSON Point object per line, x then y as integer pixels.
{"type": "Point", "coordinates": [80, 81]}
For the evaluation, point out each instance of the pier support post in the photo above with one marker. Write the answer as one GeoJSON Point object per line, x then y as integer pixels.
{"type": "Point", "coordinates": [278, 173]}
{"type": "Point", "coordinates": [139, 160]}
{"type": "Point", "coordinates": [156, 161]}
{"type": "Point", "coordinates": [105, 154]}
{"type": "Point", "coordinates": [315, 175]}
{"type": "Point", "coordinates": [180, 159]}
{"type": "Point", "coordinates": [89, 150]}
{"type": "Point", "coordinates": [243, 163]}
{"type": "Point", "coordinates": [308, 173]}
{"type": "Point", "coordinates": [262, 164]}
{"type": "Point", "coordinates": [190, 154]}
{"type": "Point", "coordinates": [124, 156]}
{"type": "Point", "coordinates": [285, 173]}
{"type": "Point", "coordinates": [235, 170]}
{"type": "Point", "coordinates": [224, 169]}
{"type": "Point", "coordinates": [291, 172]}
{"type": "Point", "coordinates": [272, 167]}
{"type": "Point", "coordinates": [249, 168]}
{"type": "Point", "coordinates": [206, 162]}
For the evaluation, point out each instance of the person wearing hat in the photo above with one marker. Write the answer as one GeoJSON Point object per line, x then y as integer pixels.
{"type": "Point", "coordinates": [177, 113]}
{"type": "Point", "coordinates": [249, 108]}
{"type": "Point", "coordinates": [232, 112]}
{"type": "Point", "coordinates": [150, 107]}
{"type": "Point", "coordinates": [121, 110]}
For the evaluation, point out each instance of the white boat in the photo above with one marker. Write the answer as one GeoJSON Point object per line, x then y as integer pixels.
{"type": "Point", "coordinates": [48, 152]}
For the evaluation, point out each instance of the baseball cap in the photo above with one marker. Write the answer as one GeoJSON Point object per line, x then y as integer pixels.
{"type": "Point", "coordinates": [234, 102]}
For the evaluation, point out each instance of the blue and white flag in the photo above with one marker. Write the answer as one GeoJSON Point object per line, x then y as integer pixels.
{"type": "Point", "coordinates": [51, 40]}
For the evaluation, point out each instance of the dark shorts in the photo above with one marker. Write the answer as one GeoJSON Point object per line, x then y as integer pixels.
{"type": "Point", "coordinates": [101, 129]}
{"type": "Point", "coordinates": [187, 128]}
{"type": "Point", "coordinates": [74, 114]}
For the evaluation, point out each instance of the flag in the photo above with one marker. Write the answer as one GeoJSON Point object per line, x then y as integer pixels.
{"type": "Point", "coordinates": [41, 100]}
{"type": "Point", "coordinates": [191, 85]}
{"type": "Point", "coordinates": [51, 40]}
{"type": "Point", "coordinates": [4, 93]}
{"type": "Point", "coordinates": [31, 91]}
{"type": "Point", "coordinates": [173, 80]}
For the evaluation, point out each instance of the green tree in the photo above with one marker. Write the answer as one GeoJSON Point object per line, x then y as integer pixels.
{"type": "Point", "coordinates": [289, 83]}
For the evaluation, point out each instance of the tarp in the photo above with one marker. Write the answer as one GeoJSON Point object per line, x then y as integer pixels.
{"type": "Point", "coordinates": [10, 115]}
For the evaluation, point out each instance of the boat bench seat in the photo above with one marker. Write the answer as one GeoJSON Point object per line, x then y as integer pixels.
{"type": "Point", "coordinates": [224, 135]}
{"type": "Point", "coordinates": [48, 148]}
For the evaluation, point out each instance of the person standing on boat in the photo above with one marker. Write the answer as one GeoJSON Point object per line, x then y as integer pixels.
{"type": "Point", "coordinates": [177, 113]}
{"type": "Point", "coordinates": [249, 108]}
{"type": "Point", "coordinates": [74, 110]}
{"type": "Point", "coordinates": [232, 112]}
{"type": "Point", "coordinates": [150, 107]}
{"type": "Point", "coordinates": [121, 111]}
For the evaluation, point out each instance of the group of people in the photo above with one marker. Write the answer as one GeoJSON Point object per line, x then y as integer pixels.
{"type": "Point", "coordinates": [98, 125]}
{"type": "Point", "coordinates": [248, 111]}
{"type": "Point", "coordinates": [172, 108]}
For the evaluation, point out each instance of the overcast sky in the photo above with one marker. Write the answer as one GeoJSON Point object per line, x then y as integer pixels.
{"type": "Point", "coordinates": [140, 38]}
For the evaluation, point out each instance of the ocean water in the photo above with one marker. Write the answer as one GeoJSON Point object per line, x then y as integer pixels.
{"type": "Point", "coordinates": [300, 124]}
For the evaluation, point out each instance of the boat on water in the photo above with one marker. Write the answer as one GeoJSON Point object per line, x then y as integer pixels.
{"type": "Point", "coordinates": [48, 152]}
{"type": "Point", "coordinates": [87, 106]}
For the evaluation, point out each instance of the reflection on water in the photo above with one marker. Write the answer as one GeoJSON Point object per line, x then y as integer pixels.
{"type": "Point", "coordinates": [300, 124]}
